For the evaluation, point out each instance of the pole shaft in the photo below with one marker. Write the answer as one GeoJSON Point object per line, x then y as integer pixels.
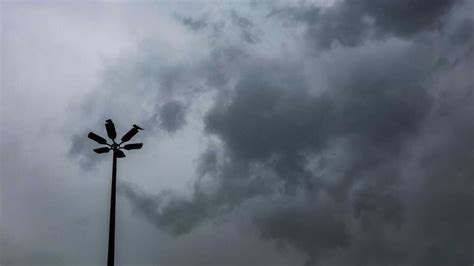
{"type": "Point", "coordinates": [110, 255]}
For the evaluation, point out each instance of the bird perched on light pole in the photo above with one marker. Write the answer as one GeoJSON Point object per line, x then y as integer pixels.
{"type": "Point", "coordinates": [137, 127]}
{"type": "Point", "coordinates": [131, 133]}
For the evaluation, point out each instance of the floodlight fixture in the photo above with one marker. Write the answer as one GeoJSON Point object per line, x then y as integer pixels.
{"type": "Point", "coordinates": [132, 132]}
{"type": "Point", "coordinates": [97, 138]}
{"type": "Point", "coordinates": [102, 150]}
{"type": "Point", "coordinates": [120, 154]}
{"type": "Point", "coordinates": [110, 127]}
{"type": "Point", "coordinates": [117, 153]}
{"type": "Point", "coordinates": [133, 146]}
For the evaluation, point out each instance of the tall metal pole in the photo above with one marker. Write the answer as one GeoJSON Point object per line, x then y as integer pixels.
{"type": "Point", "coordinates": [110, 256]}
{"type": "Point", "coordinates": [117, 153]}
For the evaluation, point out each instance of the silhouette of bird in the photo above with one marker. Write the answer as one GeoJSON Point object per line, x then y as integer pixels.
{"type": "Point", "coordinates": [137, 127]}
{"type": "Point", "coordinates": [132, 132]}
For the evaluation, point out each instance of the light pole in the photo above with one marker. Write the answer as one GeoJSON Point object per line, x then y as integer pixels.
{"type": "Point", "coordinates": [117, 153]}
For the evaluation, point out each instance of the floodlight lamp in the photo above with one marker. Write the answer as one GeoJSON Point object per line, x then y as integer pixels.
{"type": "Point", "coordinates": [119, 153]}
{"type": "Point", "coordinates": [133, 146]}
{"type": "Point", "coordinates": [129, 135]}
{"type": "Point", "coordinates": [102, 150]}
{"type": "Point", "coordinates": [97, 138]}
{"type": "Point", "coordinates": [110, 127]}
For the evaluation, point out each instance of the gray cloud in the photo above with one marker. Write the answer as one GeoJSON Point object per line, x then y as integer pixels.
{"type": "Point", "coordinates": [351, 23]}
{"type": "Point", "coordinates": [246, 27]}
{"type": "Point", "coordinates": [341, 166]}
{"type": "Point", "coordinates": [271, 119]}
{"type": "Point", "coordinates": [195, 24]}
{"type": "Point", "coordinates": [337, 135]}
{"type": "Point", "coordinates": [168, 211]}
{"type": "Point", "coordinates": [172, 116]}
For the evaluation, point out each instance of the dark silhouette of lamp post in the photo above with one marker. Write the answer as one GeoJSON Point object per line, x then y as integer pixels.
{"type": "Point", "coordinates": [117, 153]}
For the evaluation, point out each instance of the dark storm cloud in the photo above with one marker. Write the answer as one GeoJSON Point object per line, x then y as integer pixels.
{"type": "Point", "coordinates": [270, 124]}
{"type": "Point", "coordinates": [372, 166]}
{"type": "Point", "coordinates": [195, 24]}
{"type": "Point", "coordinates": [313, 227]}
{"type": "Point", "coordinates": [179, 215]}
{"type": "Point", "coordinates": [172, 213]}
{"type": "Point", "coordinates": [172, 116]}
{"type": "Point", "coordinates": [246, 26]}
{"type": "Point", "coordinates": [273, 120]}
{"type": "Point", "coordinates": [181, 81]}
{"type": "Point", "coordinates": [350, 23]}
{"type": "Point", "coordinates": [464, 32]}
{"type": "Point", "coordinates": [444, 204]}
{"type": "Point", "coordinates": [215, 27]}
{"type": "Point", "coordinates": [272, 117]}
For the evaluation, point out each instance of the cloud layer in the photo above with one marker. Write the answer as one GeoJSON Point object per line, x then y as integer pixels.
{"type": "Point", "coordinates": [335, 133]}
{"type": "Point", "coordinates": [351, 151]}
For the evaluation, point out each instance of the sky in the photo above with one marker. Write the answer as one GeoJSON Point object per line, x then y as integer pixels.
{"type": "Point", "coordinates": [312, 132]}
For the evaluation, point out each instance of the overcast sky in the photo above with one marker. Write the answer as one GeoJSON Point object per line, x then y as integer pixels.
{"type": "Point", "coordinates": [276, 133]}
